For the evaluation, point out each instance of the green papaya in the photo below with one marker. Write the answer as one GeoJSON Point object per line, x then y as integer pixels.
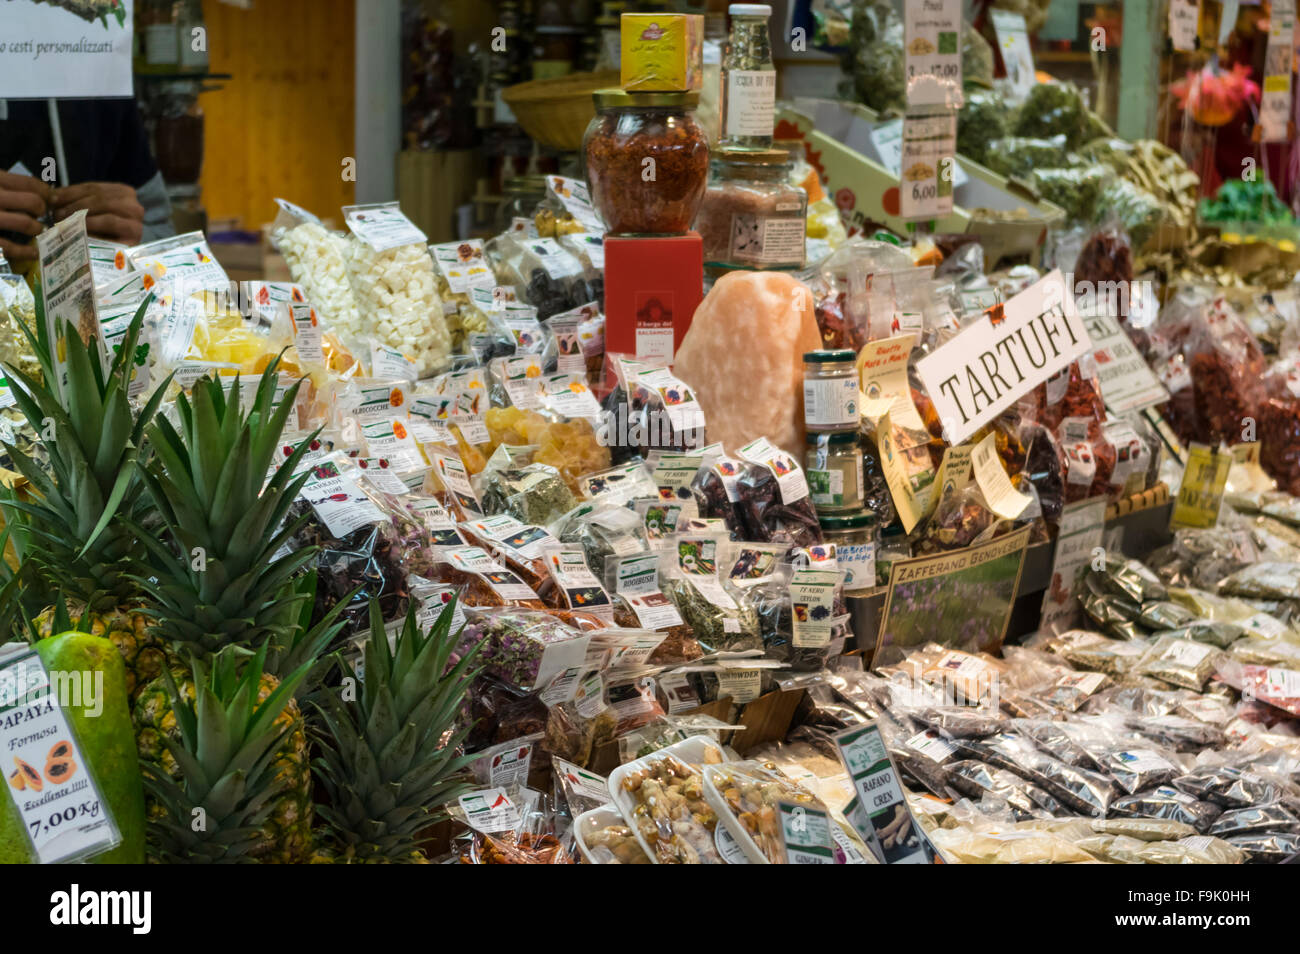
{"type": "Point", "coordinates": [108, 745]}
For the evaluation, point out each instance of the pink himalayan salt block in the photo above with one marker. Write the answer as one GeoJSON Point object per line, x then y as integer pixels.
{"type": "Point", "coordinates": [743, 357]}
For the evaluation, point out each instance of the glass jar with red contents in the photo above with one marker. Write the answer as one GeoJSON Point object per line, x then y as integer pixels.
{"type": "Point", "coordinates": [647, 161]}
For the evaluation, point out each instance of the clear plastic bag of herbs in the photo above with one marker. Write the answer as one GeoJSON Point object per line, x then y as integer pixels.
{"type": "Point", "coordinates": [803, 617]}
{"type": "Point", "coordinates": [535, 494]}
{"type": "Point", "coordinates": [603, 531]}
{"type": "Point", "coordinates": [720, 613]}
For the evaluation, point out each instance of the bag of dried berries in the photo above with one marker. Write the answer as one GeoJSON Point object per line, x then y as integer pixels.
{"type": "Point", "coordinates": [360, 554]}
{"type": "Point", "coordinates": [1227, 369]}
{"type": "Point", "coordinates": [774, 503]}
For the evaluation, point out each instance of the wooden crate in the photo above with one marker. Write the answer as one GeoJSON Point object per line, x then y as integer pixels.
{"type": "Point", "coordinates": [430, 186]}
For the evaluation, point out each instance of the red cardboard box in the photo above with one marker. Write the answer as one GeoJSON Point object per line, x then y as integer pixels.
{"type": "Point", "coordinates": [652, 288]}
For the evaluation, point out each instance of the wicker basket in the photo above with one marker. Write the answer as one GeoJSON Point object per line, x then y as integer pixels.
{"type": "Point", "coordinates": [555, 112]}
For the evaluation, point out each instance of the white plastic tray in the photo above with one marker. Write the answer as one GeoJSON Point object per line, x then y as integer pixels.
{"type": "Point", "coordinates": [729, 820]}
{"type": "Point", "coordinates": [592, 821]}
{"type": "Point", "coordinates": [691, 751]}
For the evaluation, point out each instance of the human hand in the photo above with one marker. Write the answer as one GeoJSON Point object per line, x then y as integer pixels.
{"type": "Point", "coordinates": [112, 210]}
{"type": "Point", "coordinates": [23, 200]}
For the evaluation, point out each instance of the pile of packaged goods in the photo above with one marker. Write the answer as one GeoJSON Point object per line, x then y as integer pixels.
{"type": "Point", "coordinates": [652, 606]}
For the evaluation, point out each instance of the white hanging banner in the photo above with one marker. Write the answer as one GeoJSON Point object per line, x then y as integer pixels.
{"type": "Point", "coordinates": [66, 50]}
{"type": "Point", "coordinates": [1275, 103]}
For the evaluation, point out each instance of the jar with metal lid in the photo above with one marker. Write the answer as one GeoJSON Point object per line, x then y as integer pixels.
{"type": "Point", "coordinates": [830, 390]}
{"type": "Point", "coordinates": [647, 161]}
{"type": "Point", "coordinates": [855, 539]}
{"type": "Point", "coordinates": [833, 466]}
{"type": "Point", "coordinates": [522, 196]}
{"type": "Point", "coordinates": [752, 217]}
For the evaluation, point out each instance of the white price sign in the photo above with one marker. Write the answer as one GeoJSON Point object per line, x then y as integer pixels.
{"type": "Point", "coordinates": [927, 166]}
{"type": "Point", "coordinates": [1013, 42]}
{"type": "Point", "coordinates": [986, 368]}
{"type": "Point", "coordinates": [932, 52]}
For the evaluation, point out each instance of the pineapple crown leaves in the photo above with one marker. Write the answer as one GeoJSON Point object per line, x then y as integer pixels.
{"type": "Point", "coordinates": [206, 481]}
{"type": "Point", "coordinates": [303, 642]}
{"type": "Point", "coordinates": [389, 758]}
{"type": "Point", "coordinates": [92, 475]}
{"type": "Point", "coordinates": [225, 753]}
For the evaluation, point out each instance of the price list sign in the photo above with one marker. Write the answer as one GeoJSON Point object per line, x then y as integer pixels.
{"type": "Point", "coordinates": [928, 166]}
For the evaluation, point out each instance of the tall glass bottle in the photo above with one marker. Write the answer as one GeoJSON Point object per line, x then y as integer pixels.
{"type": "Point", "coordinates": [748, 79]}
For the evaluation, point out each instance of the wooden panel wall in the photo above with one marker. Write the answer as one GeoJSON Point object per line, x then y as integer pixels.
{"type": "Point", "coordinates": [284, 124]}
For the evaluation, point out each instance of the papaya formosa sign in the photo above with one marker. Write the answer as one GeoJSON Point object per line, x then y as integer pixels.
{"type": "Point", "coordinates": [988, 367]}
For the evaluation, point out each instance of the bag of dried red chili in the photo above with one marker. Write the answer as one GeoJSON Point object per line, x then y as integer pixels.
{"type": "Point", "coordinates": [1225, 365]}
{"type": "Point", "coordinates": [1073, 394]}
{"type": "Point", "coordinates": [1278, 422]}
{"type": "Point", "coordinates": [1105, 267]}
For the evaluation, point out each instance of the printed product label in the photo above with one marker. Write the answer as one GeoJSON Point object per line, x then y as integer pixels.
{"type": "Point", "coordinates": [743, 685]}
{"type": "Point", "coordinates": [504, 583]}
{"type": "Point", "coordinates": [830, 403]}
{"type": "Point", "coordinates": [812, 602]}
{"type": "Point", "coordinates": [654, 610]}
{"type": "Point", "coordinates": [750, 102]}
{"type": "Point", "coordinates": [463, 265]}
{"type": "Point", "coordinates": [789, 475]}
{"type": "Point", "coordinates": [382, 226]}
{"type": "Point", "coordinates": [490, 810]}
{"type": "Point", "coordinates": [879, 808]}
{"type": "Point", "coordinates": [767, 239]}
{"type": "Point", "coordinates": [386, 362]}
{"type": "Point", "coordinates": [452, 473]}
{"type": "Point", "coordinates": [858, 561]}
{"type": "Point", "coordinates": [805, 834]}
{"type": "Point", "coordinates": [638, 576]}
{"type": "Point", "coordinates": [306, 333]}
{"type": "Point", "coordinates": [338, 501]}
{"type": "Point", "coordinates": [568, 567]}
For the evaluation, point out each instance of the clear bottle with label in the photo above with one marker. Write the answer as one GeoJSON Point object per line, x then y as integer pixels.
{"type": "Point", "coordinates": [748, 79]}
{"type": "Point", "coordinates": [855, 536]}
{"type": "Point", "coordinates": [830, 390]}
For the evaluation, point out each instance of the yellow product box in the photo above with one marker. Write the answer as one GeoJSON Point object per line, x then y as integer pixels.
{"type": "Point", "coordinates": [662, 52]}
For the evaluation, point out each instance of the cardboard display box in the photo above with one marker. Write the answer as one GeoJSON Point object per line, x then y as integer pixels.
{"type": "Point", "coordinates": [843, 142]}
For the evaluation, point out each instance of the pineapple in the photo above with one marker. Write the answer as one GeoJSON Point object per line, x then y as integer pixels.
{"type": "Point", "coordinates": [214, 581]}
{"type": "Point", "coordinates": [389, 755]}
{"type": "Point", "coordinates": [287, 829]}
{"type": "Point", "coordinates": [233, 726]}
{"type": "Point", "coordinates": [215, 578]}
{"type": "Point", "coordinates": [65, 531]}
